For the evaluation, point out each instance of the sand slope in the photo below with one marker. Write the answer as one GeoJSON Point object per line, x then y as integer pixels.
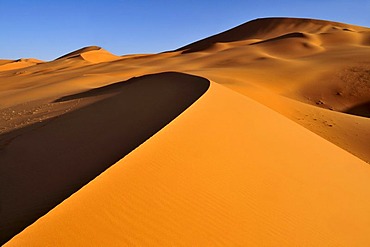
{"type": "Point", "coordinates": [275, 153]}
{"type": "Point", "coordinates": [220, 174]}
{"type": "Point", "coordinates": [84, 143]}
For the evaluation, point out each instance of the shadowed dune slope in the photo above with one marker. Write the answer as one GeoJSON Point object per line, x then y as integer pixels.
{"type": "Point", "coordinates": [44, 163]}
{"type": "Point", "coordinates": [226, 172]}
{"type": "Point", "coordinates": [360, 110]}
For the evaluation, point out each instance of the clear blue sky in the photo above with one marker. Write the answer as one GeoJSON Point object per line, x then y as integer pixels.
{"type": "Point", "coordinates": [47, 29]}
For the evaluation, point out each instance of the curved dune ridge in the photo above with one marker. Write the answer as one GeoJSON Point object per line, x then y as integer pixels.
{"type": "Point", "coordinates": [220, 174]}
{"type": "Point", "coordinates": [84, 143]}
{"type": "Point", "coordinates": [275, 152]}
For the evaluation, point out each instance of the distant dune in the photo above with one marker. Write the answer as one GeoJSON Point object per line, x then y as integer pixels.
{"type": "Point", "coordinates": [272, 28]}
{"type": "Point", "coordinates": [104, 150]}
{"type": "Point", "coordinates": [94, 54]}
{"type": "Point", "coordinates": [18, 64]}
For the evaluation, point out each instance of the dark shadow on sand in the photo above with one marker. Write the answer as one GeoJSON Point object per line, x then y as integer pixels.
{"type": "Point", "coordinates": [362, 110]}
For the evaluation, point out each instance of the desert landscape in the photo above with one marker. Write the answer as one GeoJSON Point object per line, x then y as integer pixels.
{"type": "Point", "coordinates": [256, 136]}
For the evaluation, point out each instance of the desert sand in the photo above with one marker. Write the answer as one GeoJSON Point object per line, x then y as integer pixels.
{"type": "Point", "coordinates": [257, 136]}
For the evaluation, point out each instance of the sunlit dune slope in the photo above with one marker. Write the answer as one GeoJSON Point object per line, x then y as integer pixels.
{"type": "Point", "coordinates": [60, 155]}
{"type": "Point", "coordinates": [228, 171]}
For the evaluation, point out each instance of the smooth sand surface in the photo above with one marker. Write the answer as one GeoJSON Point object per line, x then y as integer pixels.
{"type": "Point", "coordinates": [276, 152]}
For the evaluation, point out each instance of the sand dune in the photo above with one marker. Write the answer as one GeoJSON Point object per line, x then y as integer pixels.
{"type": "Point", "coordinates": [227, 177]}
{"type": "Point", "coordinates": [85, 142]}
{"type": "Point", "coordinates": [268, 28]}
{"type": "Point", "coordinates": [17, 64]}
{"type": "Point", "coordinates": [276, 152]}
{"type": "Point", "coordinates": [291, 45]}
{"type": "Point", "coordinates": [5, 61]}
{"type": "Point", "coordinates": [93, 54]}
{"type": "Point", "coordinates": [79, 51]}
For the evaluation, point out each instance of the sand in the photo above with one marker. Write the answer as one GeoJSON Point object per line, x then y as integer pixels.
{"type": "Point", "coordinates": [62, 154]}
{"type": "Point", "coordinates": [275, 152]}
{"type": "Point", "coordinates": [18, 64]}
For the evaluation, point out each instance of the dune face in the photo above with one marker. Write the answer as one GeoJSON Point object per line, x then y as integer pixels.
{"type": "Point", "coordinates": [62, 154]}
{"type": "Point", "coordinates": [275, 153]}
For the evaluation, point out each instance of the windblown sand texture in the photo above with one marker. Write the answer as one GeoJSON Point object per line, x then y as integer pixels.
{"type": "Point", "coordinates": [257, 136]}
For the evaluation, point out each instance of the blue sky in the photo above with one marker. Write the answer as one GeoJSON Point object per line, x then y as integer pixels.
{"type": "Point", "coordinates": [47, 29]}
